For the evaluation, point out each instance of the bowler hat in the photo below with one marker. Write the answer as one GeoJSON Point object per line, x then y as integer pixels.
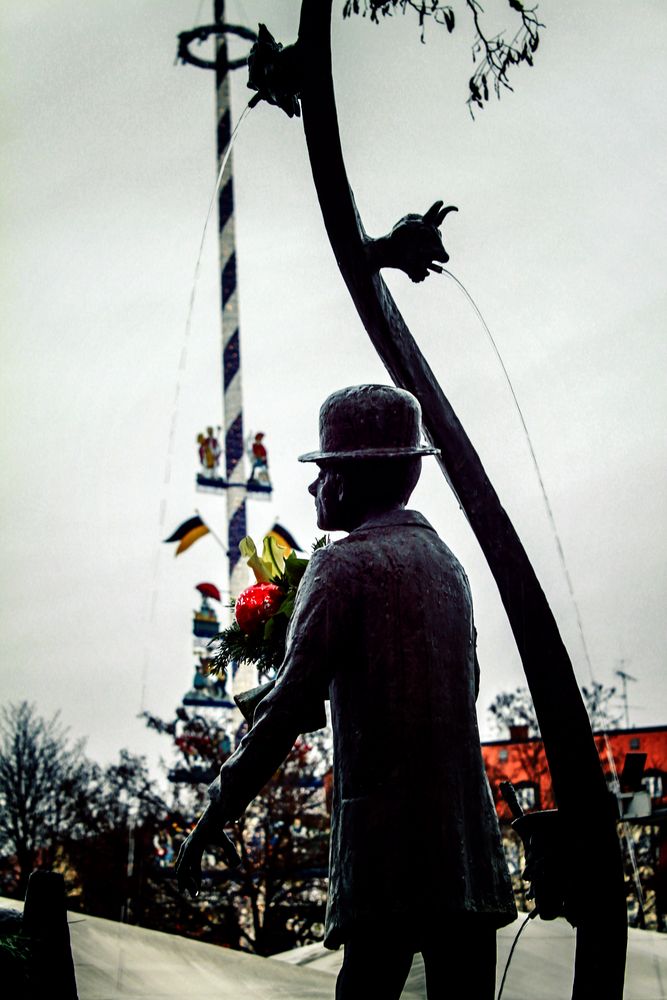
{"type": "Point", "coordinates": [369, 421]}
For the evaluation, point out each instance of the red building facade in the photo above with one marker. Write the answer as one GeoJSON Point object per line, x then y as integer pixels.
{"type": "Point", "coordinates": [521, 760]}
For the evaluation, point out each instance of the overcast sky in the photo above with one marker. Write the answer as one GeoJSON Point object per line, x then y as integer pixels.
{"type": "Point", "coordinates": [108, 168]}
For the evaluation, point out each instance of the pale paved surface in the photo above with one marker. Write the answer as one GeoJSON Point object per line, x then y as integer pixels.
{"type": "Point", "coordinates": [542, 966]}
{"type": "Point", "coordinates": [120, 962]}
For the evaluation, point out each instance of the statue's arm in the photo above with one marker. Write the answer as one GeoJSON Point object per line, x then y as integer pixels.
{"type": "Point", "coordinates": [291, 708]}
{"type": "Point", "coordinates": [277, 724]}
{"type": "Point", "coordinates": [295, 704]}
{"type": "Point", "coordinates": [257, 757]}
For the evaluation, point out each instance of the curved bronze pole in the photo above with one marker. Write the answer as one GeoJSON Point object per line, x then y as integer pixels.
{"type": "Point", "coordinates": [592, 846]}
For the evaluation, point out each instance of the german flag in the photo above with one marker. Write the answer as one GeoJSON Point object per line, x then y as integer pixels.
{"type": "Point", "coordinates": [188, 533]}
{"type": "Point", "coordinates": [283, 537]}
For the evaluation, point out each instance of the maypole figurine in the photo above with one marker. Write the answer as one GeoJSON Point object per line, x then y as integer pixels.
{"type": "Point", "coordinates": [207, 690]}
{"type": "Point", "coordinates": [209, 452]}
{"type": "Point", "coordinates": [205, 624]}
{"type": "Point", "coordinates": [259, 481]}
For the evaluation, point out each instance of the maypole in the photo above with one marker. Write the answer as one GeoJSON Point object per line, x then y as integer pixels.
{"type": "Point", "coordinates": [235, 483]}
{"type": "Point", "coordinates": [231, 352]}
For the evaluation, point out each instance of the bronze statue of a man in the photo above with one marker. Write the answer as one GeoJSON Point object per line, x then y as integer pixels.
{"type": "Point", "coordinates": [383, 628]}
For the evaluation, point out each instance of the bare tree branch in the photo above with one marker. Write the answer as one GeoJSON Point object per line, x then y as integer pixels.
{"type": "Point", "coordinates": [493, 54]}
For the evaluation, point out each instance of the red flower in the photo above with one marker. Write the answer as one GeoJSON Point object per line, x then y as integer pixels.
{"type": "Point", "coordinates": [256, 604]}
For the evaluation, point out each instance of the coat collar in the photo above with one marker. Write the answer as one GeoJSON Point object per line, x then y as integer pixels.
{"type": "Point", "coordinates": [394, 519]}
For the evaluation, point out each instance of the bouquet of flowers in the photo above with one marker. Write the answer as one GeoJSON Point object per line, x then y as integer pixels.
{"type": "Point", "coordinates": [263, 610]}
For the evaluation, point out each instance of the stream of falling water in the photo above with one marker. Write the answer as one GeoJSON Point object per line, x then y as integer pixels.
{"type": "Point", "coordinates": [216, 191]}
{"type": "Point", "coordinates": [616, 785]}
{"type": "Point", "coordinates": [545, 496]}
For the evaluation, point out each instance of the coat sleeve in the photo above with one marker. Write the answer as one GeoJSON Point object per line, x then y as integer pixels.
{"type": "Point", "coordinates": [296, 703]}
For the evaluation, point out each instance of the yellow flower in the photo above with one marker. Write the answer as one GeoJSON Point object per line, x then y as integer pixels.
{"type": "Point", "coordinates": [272, 562]}
{"type": "Point", "coordinates": [274, 555]}
{"type": "Point", "coordinates": [257, 565]}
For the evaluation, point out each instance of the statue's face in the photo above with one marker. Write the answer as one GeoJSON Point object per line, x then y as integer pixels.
{"type": "Point", "coordinates": [328, 492]}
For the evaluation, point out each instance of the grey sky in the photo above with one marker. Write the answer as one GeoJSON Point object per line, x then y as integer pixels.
{"type": "Point", "coordinates": [108, 169]}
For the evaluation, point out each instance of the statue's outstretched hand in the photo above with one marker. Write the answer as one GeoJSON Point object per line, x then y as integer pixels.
{"type": "Point", "coordinates": [208, 831]}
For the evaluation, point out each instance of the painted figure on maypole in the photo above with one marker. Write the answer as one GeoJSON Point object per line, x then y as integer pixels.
{"type": "Point", "coordinates": [209, 452]}
{"type": "Point", "coordinates": [259, 481]}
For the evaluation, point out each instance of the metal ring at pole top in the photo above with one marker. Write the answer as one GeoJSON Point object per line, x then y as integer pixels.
{"type": "Point", "coordinates": [201, 34]}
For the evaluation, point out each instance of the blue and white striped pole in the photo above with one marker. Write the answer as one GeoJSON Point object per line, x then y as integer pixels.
{"type": "Point", "coordinates": [231, 353]}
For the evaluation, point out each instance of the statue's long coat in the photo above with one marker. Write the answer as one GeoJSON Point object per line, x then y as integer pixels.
{"type": "Point", "coordinates": [383, 627]}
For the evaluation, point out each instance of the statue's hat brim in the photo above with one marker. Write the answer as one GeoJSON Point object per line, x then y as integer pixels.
{"type": "Point", "coordinates": [365, 423]}
{"type": "Point", "coordinates": [358, 454]}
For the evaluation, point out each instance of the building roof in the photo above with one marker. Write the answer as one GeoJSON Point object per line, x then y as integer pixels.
{"type": "Point", "coordinates": [632, 731]}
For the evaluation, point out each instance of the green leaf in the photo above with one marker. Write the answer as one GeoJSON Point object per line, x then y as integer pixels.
{"type": "Point", "coordinates": [294, 570]}
{"type": "Point", "coordinates": [287, 607]}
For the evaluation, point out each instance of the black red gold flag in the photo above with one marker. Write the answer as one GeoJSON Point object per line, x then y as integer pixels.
{"type": "Point", "coordinates": [188, 533]}
{"type": "Point", "coordinates": [284, 538]}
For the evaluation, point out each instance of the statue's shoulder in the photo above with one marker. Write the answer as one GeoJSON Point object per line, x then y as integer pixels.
{"type": "Point", "coordinates": [389, 523]}
{"type": "Point", "coordinates": [396, 528]}
{"type": "Point", "coordinates": [326, 560]}
{"type": "Point", "coordinates": [376, 539]}
{"type": "Point", "coordinates": [333, 570]}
